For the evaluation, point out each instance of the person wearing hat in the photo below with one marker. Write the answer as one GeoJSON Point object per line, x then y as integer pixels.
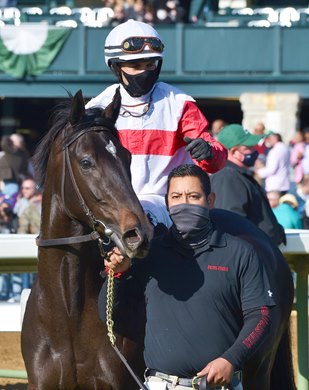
{"type": "Point", "coordinates": [160, 125]}
{"type": "Point", "coordinates": [285, 209]}
{"type": "Point", "coordinates": [235, 186]}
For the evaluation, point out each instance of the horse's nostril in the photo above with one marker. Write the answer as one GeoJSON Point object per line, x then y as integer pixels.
{"type": "Point", "coordinates": [132, 238]}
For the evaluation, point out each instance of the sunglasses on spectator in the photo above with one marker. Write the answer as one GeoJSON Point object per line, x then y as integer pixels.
{"type": "Point", "coordinates": [134, 45]}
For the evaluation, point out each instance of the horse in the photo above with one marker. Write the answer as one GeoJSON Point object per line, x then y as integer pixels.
{"type": "Point", "coordinates": [270, 368]}
{"type": "Point", "coordinates": [88, 201]}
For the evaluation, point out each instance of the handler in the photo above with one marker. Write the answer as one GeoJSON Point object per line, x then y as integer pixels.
{"type": "Point", "coordinates": [160, 125]}
{"type": "Point", "coordinates": [208, 301]}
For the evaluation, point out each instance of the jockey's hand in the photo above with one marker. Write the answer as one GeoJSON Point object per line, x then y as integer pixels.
{"type": "Point", "coordinates": [199, 148]}
{"type": "Point", "coordinates": [219, 372]}
{"type": "Point", "coordinates": [116, 261]}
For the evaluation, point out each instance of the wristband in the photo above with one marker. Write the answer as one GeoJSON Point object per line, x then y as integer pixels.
{"type": "Point", "coordinates": [117, 275]}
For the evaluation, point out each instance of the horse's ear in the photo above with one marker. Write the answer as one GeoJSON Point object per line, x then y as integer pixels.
{"type": "Point", "coordinates": [77, 108]}
{"type": "Point", "coordinates": [112, 110]}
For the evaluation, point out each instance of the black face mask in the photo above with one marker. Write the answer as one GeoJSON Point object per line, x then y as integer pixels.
{"type": "Point", "coordinates": [192, 223]}
{"type": "Point", "coordinates": [250, 158]}
{"type": "Point", "coordinates": [141, 83]}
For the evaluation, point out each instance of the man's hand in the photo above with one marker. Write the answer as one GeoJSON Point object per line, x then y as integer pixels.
{"type": "Point", "coordinates": [219, 372]}
{"type": "Point", "coordinates": [198, 148]}
{"type": "Point", "coordinates": [116, 261]}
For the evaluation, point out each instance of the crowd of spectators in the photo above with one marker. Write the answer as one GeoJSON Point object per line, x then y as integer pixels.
{"type": "Point", "coordinates": [282, 169]}
{"type": "Point", "coordinates": [20, 204]}
{"type": "Point", "coordinates": [109, 13]}
{"type": "Point", "coordinates": [148, 11]}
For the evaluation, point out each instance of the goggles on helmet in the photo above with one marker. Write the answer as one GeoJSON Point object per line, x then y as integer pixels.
{"type": "Point", "coordinates": [134, 45]}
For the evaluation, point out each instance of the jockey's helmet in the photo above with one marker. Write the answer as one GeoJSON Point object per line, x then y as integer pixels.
{"type": "Point", "coordinates": [131, 41]}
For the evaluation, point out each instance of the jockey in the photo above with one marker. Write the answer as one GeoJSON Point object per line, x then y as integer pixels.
{"type": "Point", "coordinates": [160, 125]}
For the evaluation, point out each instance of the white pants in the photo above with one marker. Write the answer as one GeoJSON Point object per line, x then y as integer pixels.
{"type": "Point", "coordinates": [154, 383]}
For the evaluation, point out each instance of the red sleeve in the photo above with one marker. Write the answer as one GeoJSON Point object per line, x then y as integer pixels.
{"type": "Point", "coordinates": [193, 124]}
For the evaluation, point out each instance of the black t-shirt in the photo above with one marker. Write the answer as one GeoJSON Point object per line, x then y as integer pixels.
{"type": "Point", "coordinates": [195, 299]}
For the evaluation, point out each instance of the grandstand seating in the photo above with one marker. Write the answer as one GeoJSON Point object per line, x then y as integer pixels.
{"type": "Point", "coordinates": [100, 17]}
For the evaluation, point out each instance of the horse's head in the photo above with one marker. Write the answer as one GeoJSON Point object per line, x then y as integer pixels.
{"type": "Point", "coordinates": [95, 184]}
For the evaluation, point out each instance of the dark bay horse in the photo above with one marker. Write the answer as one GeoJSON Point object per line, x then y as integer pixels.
{"type": "Point", "coordinates": [271, 367]}
{"type": "Point", "coordinates": [88, 200]}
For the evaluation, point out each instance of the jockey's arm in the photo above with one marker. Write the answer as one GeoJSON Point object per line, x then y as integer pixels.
{"type": "Point", "coordinates": [193, 124]}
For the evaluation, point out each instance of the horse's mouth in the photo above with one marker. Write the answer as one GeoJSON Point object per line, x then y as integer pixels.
{"type": "Point", "coordinates": [132, 239]}
{"type": "Point", "coordinates": [136, 244]}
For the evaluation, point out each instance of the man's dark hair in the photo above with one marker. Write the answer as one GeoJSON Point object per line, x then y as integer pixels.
{"type": "Point", "coordinates": [191, 170]}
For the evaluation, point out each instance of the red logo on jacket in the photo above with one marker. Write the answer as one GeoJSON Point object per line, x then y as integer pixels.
{"type": "Point", "coordinates": [218, 268]}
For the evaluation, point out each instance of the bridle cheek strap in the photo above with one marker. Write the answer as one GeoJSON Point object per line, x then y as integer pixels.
{"type": "Point", "coordinates": [94, 235]}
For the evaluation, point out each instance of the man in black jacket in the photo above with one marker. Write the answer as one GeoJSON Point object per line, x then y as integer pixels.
{"type": "Point", "coordinates": [235, 187]}
{"type": "Point", "coordinates": [208, 301]}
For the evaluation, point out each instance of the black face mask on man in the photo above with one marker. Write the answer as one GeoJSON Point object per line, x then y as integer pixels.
{"type": "Point", "coordinates": [141, 83]}
{"type": "Point", "coordinates": [250, 158]}
{"type": "Point", "coordinates": [192, 223]}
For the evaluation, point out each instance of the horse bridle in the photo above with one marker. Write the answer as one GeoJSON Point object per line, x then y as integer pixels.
{"type": "Point", "coordinates": [109, 234]}
{"type": "Point", "coordinates": [94, 235]}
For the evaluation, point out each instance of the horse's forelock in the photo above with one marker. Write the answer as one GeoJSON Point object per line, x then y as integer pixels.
{"type": "Point", "coordinates": [94, 116]}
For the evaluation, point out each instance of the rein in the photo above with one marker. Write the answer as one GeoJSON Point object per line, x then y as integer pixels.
{"type": "Point", "coordinates": [110, 327]}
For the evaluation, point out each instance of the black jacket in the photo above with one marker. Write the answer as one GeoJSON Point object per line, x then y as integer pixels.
{"type": "Point", "coordinates": [236, 190]}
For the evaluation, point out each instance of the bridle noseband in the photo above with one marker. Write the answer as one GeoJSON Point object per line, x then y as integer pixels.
{"type": "Point", "coordinates": [109, 235]}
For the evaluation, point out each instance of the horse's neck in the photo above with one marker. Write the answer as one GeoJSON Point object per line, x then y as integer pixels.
{"type": "Point", "coordinates": [55, 221]}
{"type": "Point", "coordinates": [69, 276]}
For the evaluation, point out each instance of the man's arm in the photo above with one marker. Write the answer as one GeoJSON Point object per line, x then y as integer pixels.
{"type": "Point", "coordinates": [251, 336]}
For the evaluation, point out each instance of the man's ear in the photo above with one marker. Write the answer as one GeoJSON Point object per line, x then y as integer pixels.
{"type": "Point", "coordinates": [233, 150]}
{"type": "Point", "coordinates": [211, 200]}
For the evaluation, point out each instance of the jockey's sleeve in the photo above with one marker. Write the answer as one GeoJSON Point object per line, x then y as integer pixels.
{"type": "Point", "coordinates": [253, 333]}
{"type": "Point", "coordinates": [193, 124]}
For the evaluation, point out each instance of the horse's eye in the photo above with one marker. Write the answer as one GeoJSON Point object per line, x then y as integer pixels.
{"type": "Point", "coordinates": [86, 163]}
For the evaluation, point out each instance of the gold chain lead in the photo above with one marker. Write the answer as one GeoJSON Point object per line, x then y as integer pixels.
{"type": "Point", "coordinates": [109, 306]}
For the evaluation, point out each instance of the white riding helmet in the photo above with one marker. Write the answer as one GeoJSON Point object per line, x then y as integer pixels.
{"type": "Point", "coordinates": [132, 40]}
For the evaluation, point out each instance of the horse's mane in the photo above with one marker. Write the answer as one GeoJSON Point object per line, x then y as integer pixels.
{"type": "Point", "coordinates": [57, 122]}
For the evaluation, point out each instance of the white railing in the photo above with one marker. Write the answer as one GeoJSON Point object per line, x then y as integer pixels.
{"type": "Point", "coordinates": [18, 253]}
